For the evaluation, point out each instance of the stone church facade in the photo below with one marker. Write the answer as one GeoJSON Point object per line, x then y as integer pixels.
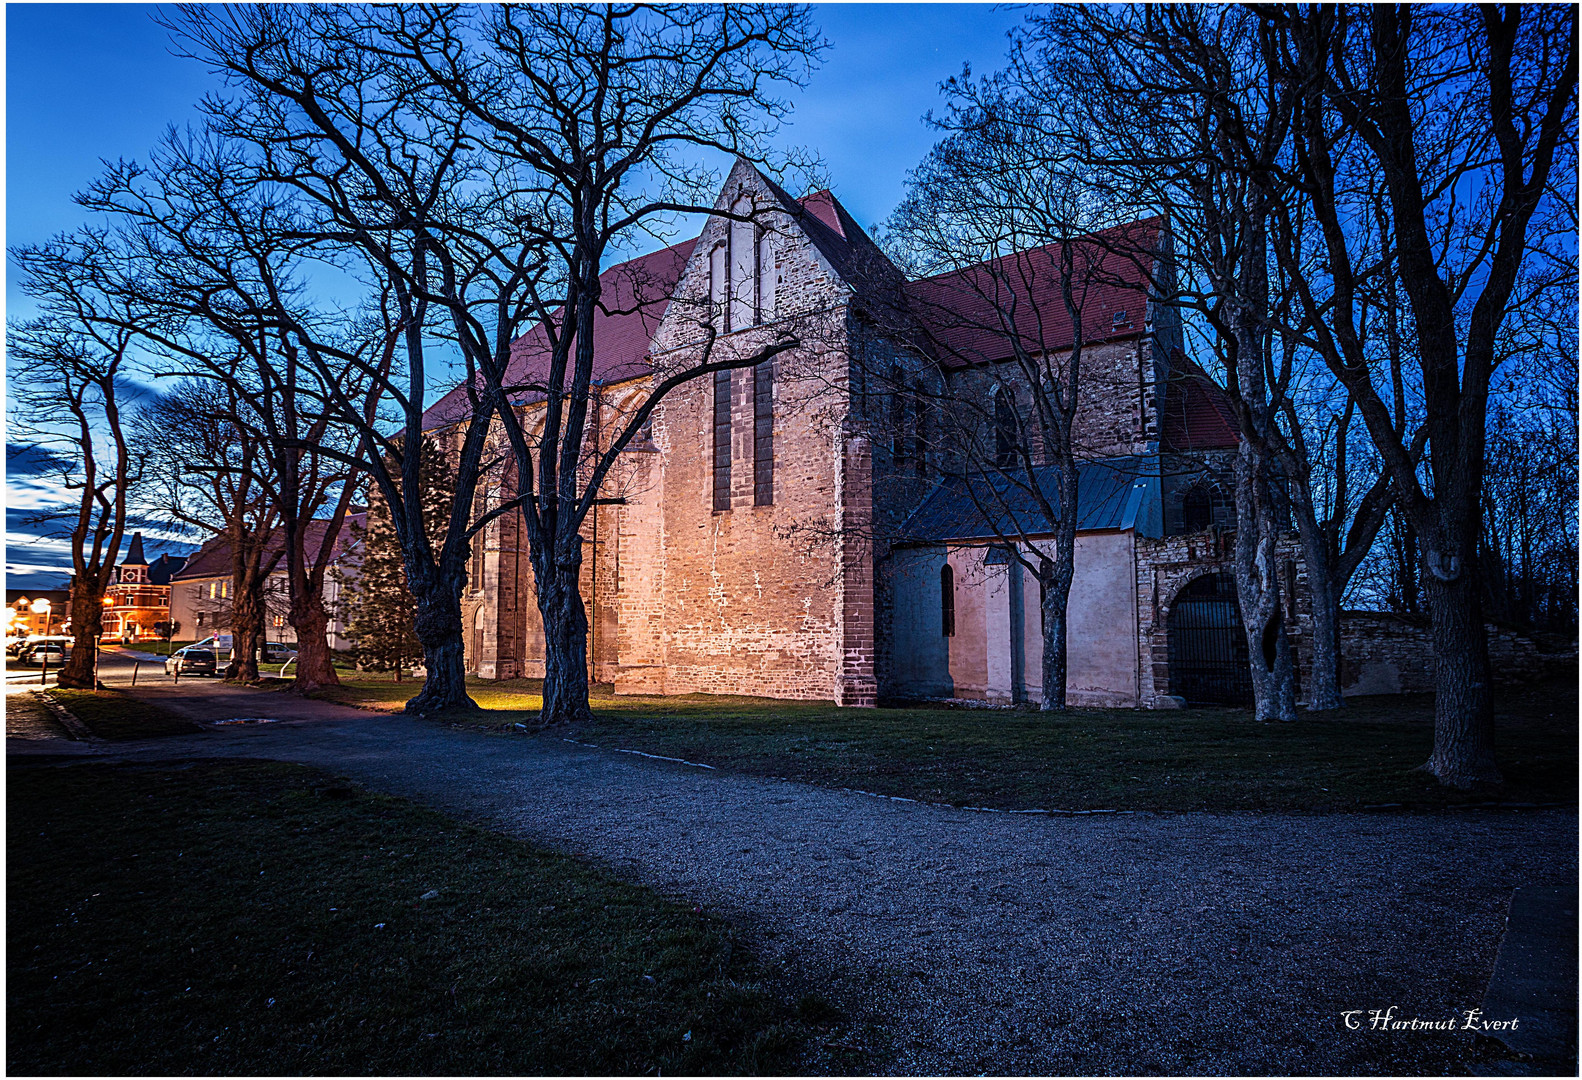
{"type": "Point", "coordinates": [777, 532]}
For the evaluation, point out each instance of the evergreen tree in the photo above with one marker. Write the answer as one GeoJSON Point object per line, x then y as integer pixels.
{"type": "Point", "coordinates": [380, 609]}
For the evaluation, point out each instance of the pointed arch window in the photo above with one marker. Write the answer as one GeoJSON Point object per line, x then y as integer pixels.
{"type": "Point", "coordinates": [1004, 427]}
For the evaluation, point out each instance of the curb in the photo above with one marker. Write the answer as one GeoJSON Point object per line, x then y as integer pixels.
{"type": "Point", "coordinates": [75, 728]}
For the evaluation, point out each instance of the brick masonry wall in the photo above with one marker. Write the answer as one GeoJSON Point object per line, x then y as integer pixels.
{"type": "Point", "coordinates": [1385, 653]}
{"type": "Point", "coordinates": [1166, 566]}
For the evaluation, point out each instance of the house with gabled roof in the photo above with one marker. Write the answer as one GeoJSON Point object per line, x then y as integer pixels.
{"type": "Point", "coordinates": [201, 591]}
{"type": "Point", "coordinates": [774, 533]}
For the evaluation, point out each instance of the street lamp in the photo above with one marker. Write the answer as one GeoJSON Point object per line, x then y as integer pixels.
{"type": "Point", "coordinates": [41, 607]}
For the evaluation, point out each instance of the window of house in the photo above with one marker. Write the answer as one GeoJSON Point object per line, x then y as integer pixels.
{"type": "Point", "coordinates": [722, 440]}
{"type": "Point", "coordinates": [919, 429]}
{"type": "Point", "coordinates": [764, 434]}
{"type": "Point", "coordinates": [947, 601]}
{"type": "Point", "coordinates": [1004, 427]}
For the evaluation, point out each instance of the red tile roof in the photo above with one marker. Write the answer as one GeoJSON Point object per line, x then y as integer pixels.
{"type": "Point", "coordinates": [213, 559]}
{"type": "Point", "coordinates": [970, 315]}
{"type": "Point", "coordinates": [1198, 414]}
{"type": "Point", "coordinates": [633, 298]}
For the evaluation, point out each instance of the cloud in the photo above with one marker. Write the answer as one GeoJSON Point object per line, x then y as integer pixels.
{"type": "Point", "coordinates": [33, 460]}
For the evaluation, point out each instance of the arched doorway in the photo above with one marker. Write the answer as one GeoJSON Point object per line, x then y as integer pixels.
{"type": "Point", "coordinates": [1208, 646]}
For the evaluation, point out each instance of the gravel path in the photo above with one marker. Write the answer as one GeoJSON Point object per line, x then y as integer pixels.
{"type": "Point", "coordinates": [973, 942]}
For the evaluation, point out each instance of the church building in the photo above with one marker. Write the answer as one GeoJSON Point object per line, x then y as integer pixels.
{"type": "Point", "coordinates": [796, 529]}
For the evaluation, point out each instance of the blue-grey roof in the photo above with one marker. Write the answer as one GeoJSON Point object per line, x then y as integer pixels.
{"type": "Point", "coordinates": [1112, 493]}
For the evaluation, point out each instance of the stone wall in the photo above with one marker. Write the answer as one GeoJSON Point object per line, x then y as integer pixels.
{"type": "Point", "coordinates": [1166, 566]}
{"type": "Point", "coordinates": [1386, 653]}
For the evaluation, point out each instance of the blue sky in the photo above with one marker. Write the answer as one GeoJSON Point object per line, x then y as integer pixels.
{"type": "Point", "coordinates": [89, 82]}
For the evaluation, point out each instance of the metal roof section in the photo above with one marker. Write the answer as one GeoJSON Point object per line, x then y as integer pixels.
{"type": "Point", "coordinates": [1116, 493]}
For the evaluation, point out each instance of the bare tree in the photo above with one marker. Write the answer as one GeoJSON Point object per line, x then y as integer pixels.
{"type": "Point", "coordinates": [996, 217]}
{"type": "Point", "coordinates": [479, 165]}
{"type": "Point", "coordinates": [68, 375]}
{"type": "Point", "coordinates": [1439, 102]}
{"type": "Point", "coordinates": [207, 474]}
{"type": "Point", "coordinates": [1172, 110]}
{"type": "Point", "coordinates": [211, 262]}
{"type": "Point", "coordinates": [592, 111]}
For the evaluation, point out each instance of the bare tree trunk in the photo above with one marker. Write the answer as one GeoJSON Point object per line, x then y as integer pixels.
{"type": "Point", "coordinates": [438, 627]}
{"type": "Point", "coordinates": [315, 662]}
{"type": "Point", "coordinates": [1258, 590]}
{"type": "Point", "coordinates": [1055, 576]}
{"type": "Point", "coordinates": [1463, 754]}
{"type": "Point", "coordinates": [565, 641]}
{"type": "Point", "coordinates": [87, 624]}
{"type": "Point", "coordinates": [1323, 688]}
{"type": "Point", "coordinates": [246, 636]}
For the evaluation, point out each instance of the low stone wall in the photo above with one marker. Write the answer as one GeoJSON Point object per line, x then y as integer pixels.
{"type": "Point", "coordinates": [1385, 653]}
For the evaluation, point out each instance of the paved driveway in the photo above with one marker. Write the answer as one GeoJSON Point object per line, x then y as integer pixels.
{"type": "Point", "coordinates": [1187, 943]}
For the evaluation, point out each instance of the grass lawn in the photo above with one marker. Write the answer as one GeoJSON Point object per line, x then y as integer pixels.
{"type": "Point", "coordinates": [261, 918]}
{"type": "Point", "coordinates": [110, 714]}
{"type": "Point", "coordinates": [1119, 759]}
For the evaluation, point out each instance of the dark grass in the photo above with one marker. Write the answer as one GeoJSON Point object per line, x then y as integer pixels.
{"type": "Point", "coordinates": [226, 918]}
{"type": "Point", "coordinates": [1090, 759]}
{"type": "Point", "coordinates": [110, 714]}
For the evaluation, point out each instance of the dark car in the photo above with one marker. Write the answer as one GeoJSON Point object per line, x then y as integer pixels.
{"type": "Point", "coordinates": [190, 661]}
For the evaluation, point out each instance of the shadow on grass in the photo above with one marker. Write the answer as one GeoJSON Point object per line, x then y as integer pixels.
{"type": "Point", "coordinates": [268, 919]}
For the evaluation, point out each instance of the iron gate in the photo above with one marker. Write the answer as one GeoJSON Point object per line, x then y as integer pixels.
{"type": "Point", "coordinates": [1208, 646]}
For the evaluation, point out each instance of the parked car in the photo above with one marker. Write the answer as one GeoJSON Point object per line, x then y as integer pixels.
{"type": "Point", "coordinates": [47, 652]}
{"type": "Point", "coordinates": [190, 661]}
{"type": "Point", "coordinates": [278, 652]}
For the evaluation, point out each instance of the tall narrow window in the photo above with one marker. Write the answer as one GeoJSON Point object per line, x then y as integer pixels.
{"type": "Point", "coordinates": [947, 601]}
{"type": "Point", "coordinates": [719, 308]}
{"type": "Point", "coordinates": [1004, 427]}
{"type": "Point", "coordinates": [744, 267]}
{"type": "Point", "coordinates": [764, 434]}
{"type": "Point", "coordinates": [766, 277]}
{"type": "Point", "coordinates": [900, 430]}
{"type": "Point", "coordinates": [919, 429]}
{"type": "Point", "coordinates": [722, 440]}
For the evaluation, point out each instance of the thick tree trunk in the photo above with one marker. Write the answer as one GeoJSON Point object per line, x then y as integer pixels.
{"type": "Point", "coordinates": [439, 629]}
{"type": "Point", "coordinates": [1323, 688]}
{"type": "Point", "coordinates": [247, 627]}
{"type": "Point", "coordinates": [1258, 590]}
{"type": "Point", "coordinates": [1055, 576]}
{"type": "Point", "coordinates": [87, 624]}
{"type": "Point", "coordinates": [315, 663]}
{"type": "Point", "coordinates": [1463, 754]}
{"type": "Point", "coordinates": [565, 645]}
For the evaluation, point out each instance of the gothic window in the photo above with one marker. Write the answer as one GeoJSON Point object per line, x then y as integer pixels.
{"type": "Point", "coordinates": [767, 273]}
{"type": "Point", "coordinates": [900, 430]}
{"type": "Point", "coordinates": [947, 601]}
{"type": "Point", "coordinates": [744, 255]}
{"type": "Point", "coordinates": [722, 440]}
{"type": "Point", "coordinates": [719, 310]}
{"type": "Point", "coordinates": [919, 429]}
{"type": "Point", "coordinates": [764, 434]}
{"type": "Point", "coordinates": [1203, 505]}
{"type": "Point", "coordinates": [1004, 427]}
